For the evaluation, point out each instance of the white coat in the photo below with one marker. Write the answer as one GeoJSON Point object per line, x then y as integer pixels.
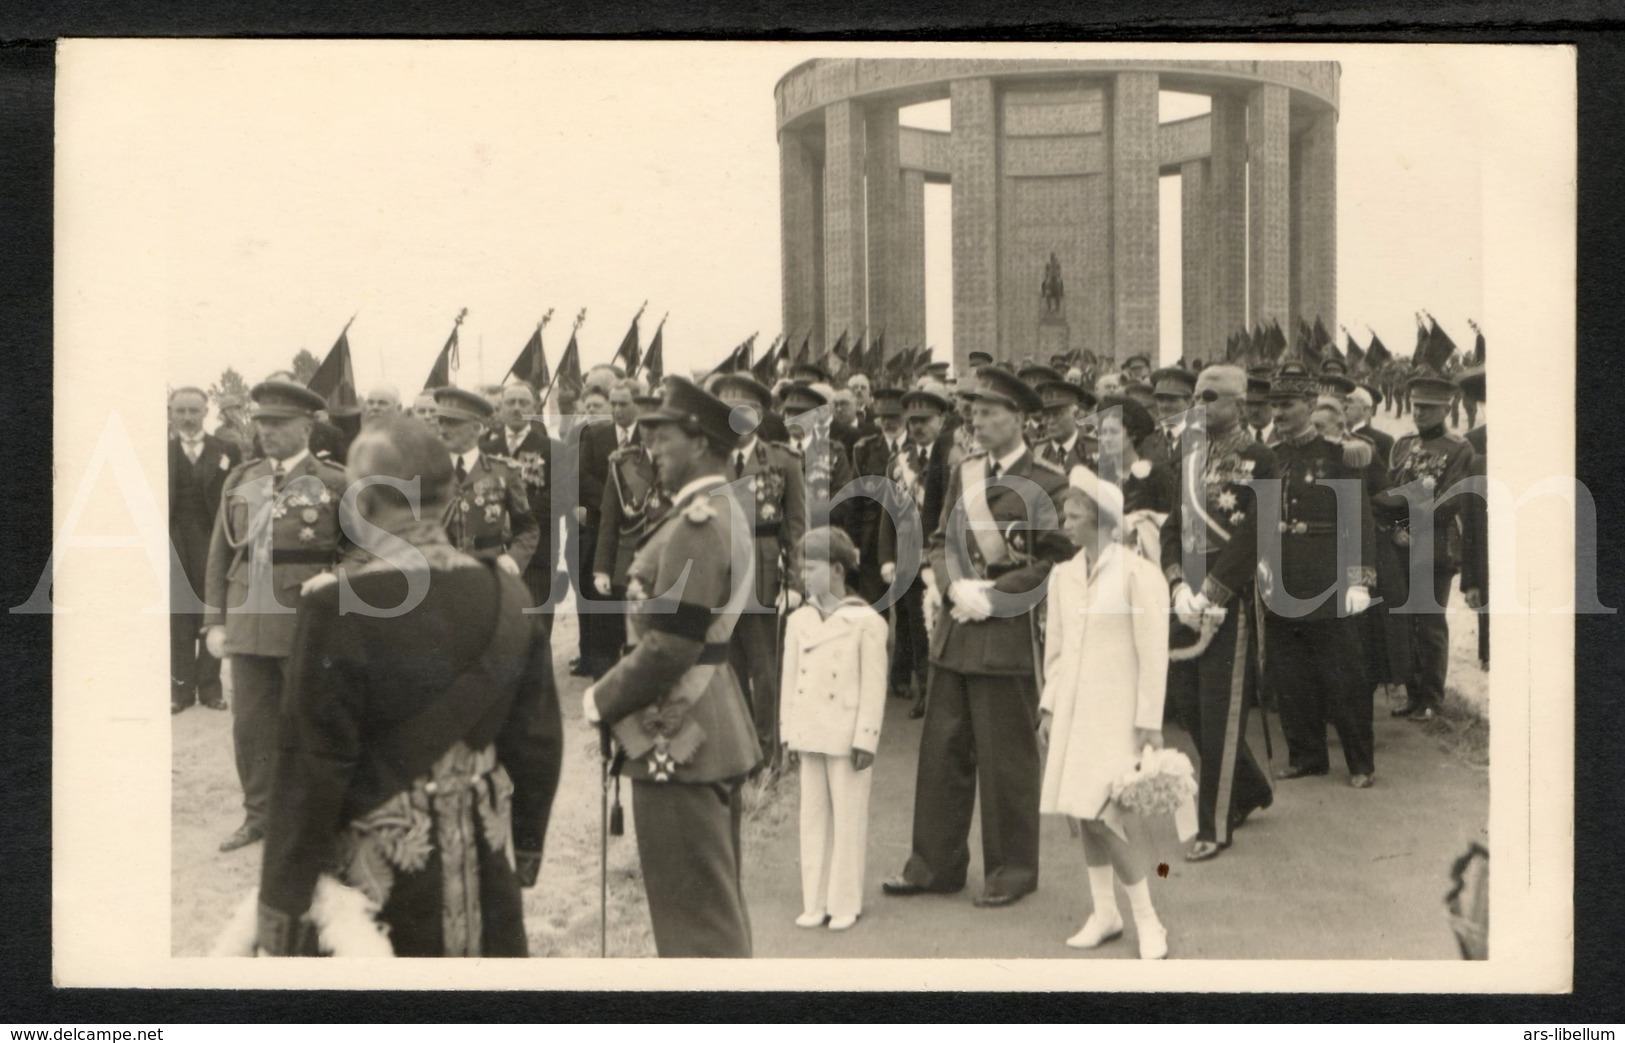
{"type": "Point", "coordinates": [834, 690]}
{"type": "Point", "coordinates": [1105, 674]}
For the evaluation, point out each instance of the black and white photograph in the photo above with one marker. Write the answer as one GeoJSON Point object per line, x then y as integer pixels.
{"type": "Point", "coordinates": [899, 515]}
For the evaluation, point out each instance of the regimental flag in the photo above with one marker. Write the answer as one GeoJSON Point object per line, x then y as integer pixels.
{"type": "Point", "coordinates": [1353, 352]}
{"type": "Point", "coordinates": [626, 356]}
{"type": "Point", "coordinates": [1437, 349]}
{"type": "Point", "coordinates": [334, 379]}
{"type": "Point", "coordinates": [804, 353]}
{"type": "Point", "coordinates": [531, 365]}
{"type": "Point", "coordinates": [837, 358]}
{"type": "Point", "coordinates": [1274, 342]}
{"type": "Point", "coordinates": [856, 361]}
{"type": "Point", "coordinates": [876, 357]}
{"type": "Point", "coordinates": [737, 359]}
{"type": "Point", "coordinates": [767, 366]}
{"type": "Point", "coordinates": [1323, 338]}
{"type": "Point", "coordinates": [654, 360]}
{"type": "Point", "coordinates": [1377, 353]}
{"type": "Point", "coordinates": [447, 361]}
{"type": "Point", "coordinates": [569, 371]}
{"type": "Point", "coordinates": [1421, 340]}
{"type": "Point", "coordinates": [1258, 343]}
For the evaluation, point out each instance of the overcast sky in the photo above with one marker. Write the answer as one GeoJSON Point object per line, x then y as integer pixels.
{"type": "Point", "coordinates": [303, 183]}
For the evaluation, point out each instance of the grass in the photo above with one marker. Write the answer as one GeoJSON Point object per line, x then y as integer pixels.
{"type": "Point", "coordinates": [1461, 730]}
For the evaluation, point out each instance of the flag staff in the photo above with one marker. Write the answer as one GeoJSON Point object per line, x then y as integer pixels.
{"type": "Point", "coordinates": [581, 317]}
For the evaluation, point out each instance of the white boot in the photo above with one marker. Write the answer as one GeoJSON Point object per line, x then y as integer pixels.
{"type": "Point", "coordinates": [1105, 922]}
{"type": "Point", "coordinates": [1153, 936]}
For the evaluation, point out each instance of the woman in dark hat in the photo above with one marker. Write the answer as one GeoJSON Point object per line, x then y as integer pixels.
{"type": "Point", "coordinates": [1148, 486]}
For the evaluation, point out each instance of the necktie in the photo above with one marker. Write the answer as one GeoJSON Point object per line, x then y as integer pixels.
{"type": "Point", "coordinates": [993, 469]}
{"type": "Point", "coordinates": [462, 472]}
{"type": "Point", "coordinates": [1053, 453]}
{"type": "Point", "coordinates": [916, 459]}
{"type": "Point", "coordinates": [194, 449]}
{"type": "Point", "coordinates": [739, 463]}
{"type": "Point", "coordinates": [278, 473]}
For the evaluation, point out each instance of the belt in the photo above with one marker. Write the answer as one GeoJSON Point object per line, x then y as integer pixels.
{"type": "Point", "coordinates": [487, 542]}
{"type": "Point", "coordinates": [302, 556]}
{"type": "Point", "coordinates": [1302, 528]}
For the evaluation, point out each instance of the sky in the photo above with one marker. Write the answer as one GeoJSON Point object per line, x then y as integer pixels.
{"type": "Point", "coordinates": [280, 188]}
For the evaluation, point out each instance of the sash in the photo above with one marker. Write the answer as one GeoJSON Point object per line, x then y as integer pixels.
{"type": "Point", "coordinates": [984, 527]}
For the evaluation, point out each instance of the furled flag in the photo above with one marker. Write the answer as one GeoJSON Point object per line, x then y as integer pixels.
{"type": "Point", "coordinates": [1377, 353]}
{"type": "Point", "coordinates": [654, 360]}
{"type": "Point", "coordinates": [876, 355]}
{"type": "Point", "coordinates": [531, 365]}
{"type": "Point", "coordinates": [334, 379]}
{"type": "Point", "coordinates": [857, 360]}
{"type": "Point", "coordinates": [837, 360]}
{"type": "Point", "coordinates": [1353, 352]}
{"type": "Point", "coordinates": [626, 356]}
{"type": "Point", "coordinates": [1275, 341]}
{"type": "Point", "coordinates": [569, 371]}
{"type": "Point", "coordinates": [447, 360]}
{"type": "Point", "coordinates": [804, 353]}
{"type": "Point", "coordinates": [1436, 351]}
{"type": "Point", "coordinates": [768, 364]}
{"type": "Point", "coordinates": [737, 359]}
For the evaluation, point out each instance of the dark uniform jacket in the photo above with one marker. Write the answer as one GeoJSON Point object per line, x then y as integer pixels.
{"type": "Point", "coordinates": [821, 484]}
{"type": "Point", "coordinates": [1475, 534]}
{"type": "Point", "coordinates": [1438, 463]}
{"type": "Point", "coordinates": [780, 517]}
{"type": "Point", "coordinates": [1067, 457]}
{"type": "Point", "coordinates": [534, 462]}
{"type": "Point", "coordinates": [673, 701]}
{"type": "Point", "coordinates": [633, 505]}
{"type": "Point", "coordinates": [598, 441]}
{"type": "Point", "coordinates": [999, 645]}
{"type": "Point", "coordinates": [872, 455]}
{"type": "Point", "coordinates": [268, 545]}
{"type": "Point", "coordinates": [194, 501]}
{"type": "Point", "coordinates": [1214, 520]}
{"type": "Point", "coordinates": [418, 757]}
{"type": "Point", "coordinates": [925, 482]}
{"type": "Point", "coordinates": [1309, 524]}
{"type": "Point", "coordinates": [489, 516]}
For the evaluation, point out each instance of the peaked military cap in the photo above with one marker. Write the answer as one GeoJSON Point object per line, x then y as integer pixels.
{"type": "Point", "coordinates": [284, 398]}
{"type": "Point", "coordinates": [694, 410]}
{"type": "Point", "coordinates": [1064, 393]}
{"type": "Point", "coordinates": [1036, 375]}
{"type": "Point", "coordinates": [1334, 365]}
{"type": "Point", "coordinates": [1428, 389]}
{"type": "Point", "coordinates": [1258, 388]}
{"type": "Point", "coordinates": [993, 384]}
{"type": "Point", "coordinates": [920, 402]}
{"type": "Point", "coordinates": [808, 373]}
{"type": "Point", "coordinates": [1132, 359]}
{"type": "Point", "coordinates": [744, 382]}
{"type": "Point", "coordinates": [978, 359]}
{"type": "Point", "coordinates": [1173, 381]}
{"type": "Point", "coordinates": [1294, 380]}
{"type": "Point", "coordinates": [461, 404]}
{"type": "Point", "coordinates": [799, 398]}
{"type": "Point", "coordinates": [888, 402]}
{"type": "Point", "coordinates": [1336, 383]}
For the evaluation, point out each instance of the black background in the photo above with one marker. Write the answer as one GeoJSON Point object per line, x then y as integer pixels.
{"type": "Point", "coordinates": [26, 159]}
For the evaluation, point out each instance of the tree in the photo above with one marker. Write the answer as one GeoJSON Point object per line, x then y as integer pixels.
{"type": "Point", "coordinates": [305, 365]}
{"type": "Point", "coordinates": [231, 383]}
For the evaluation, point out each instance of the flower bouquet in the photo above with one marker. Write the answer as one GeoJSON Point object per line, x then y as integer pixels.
{"type": "Point", "coordinates": [1163, 783]}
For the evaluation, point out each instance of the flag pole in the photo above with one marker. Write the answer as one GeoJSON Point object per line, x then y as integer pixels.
{"type": "Point", "coordinates": [581, 317]}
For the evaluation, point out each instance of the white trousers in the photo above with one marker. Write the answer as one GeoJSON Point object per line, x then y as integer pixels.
{"type": "Point", "coordinates": [834, 831]}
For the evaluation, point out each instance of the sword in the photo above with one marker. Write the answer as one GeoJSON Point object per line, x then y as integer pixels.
{"type": "Point", "coordinates": [603, 845]}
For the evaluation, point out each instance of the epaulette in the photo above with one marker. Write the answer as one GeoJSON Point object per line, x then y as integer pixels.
{"type": "Point", "coordinates": [1357, 453]}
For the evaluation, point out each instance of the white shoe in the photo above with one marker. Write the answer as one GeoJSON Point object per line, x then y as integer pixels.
{"type": "Point", "coordinates": [811, 920]}
{"type": "Point", "coordinates": [1153, 940]}
{"type": "Point", "coordinates": [1096, 931]}
{"type": "Point", "coordinates": [843, 923]}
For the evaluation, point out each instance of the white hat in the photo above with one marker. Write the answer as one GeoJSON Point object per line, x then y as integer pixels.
{"type": "Point", "coordinates": [1108, 497]}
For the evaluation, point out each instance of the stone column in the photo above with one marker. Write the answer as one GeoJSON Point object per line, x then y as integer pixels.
{"type": "Point", "coordinates": [908, 289]}
{"type": "Point", "coordinates": [882, 170]}
{"type": "Point", "coordinates": [1134, 215]}
{"type": "Point", "coordinates": [844, 283]}
{"type": "Point", "coordinates": [1269, 211]}
{"type": "Point", "coordinates": [974, 170]}
{"type": "Point", "coordinates": [1227, 216]}
{"type": "Point", "coordinates": [801, 259]}
{"type": "Point", "coordinates": [1195, 277]}
{"type": "Point", "coordinates": [1314, 221]}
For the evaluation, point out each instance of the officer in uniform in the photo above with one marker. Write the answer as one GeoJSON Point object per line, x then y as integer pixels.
{"type": "Point", "coordinates": [526, 443]}
{"type": "Point", "coordinates": [278, 526]}
{"type": "Point", "coordinates": [1172, 389]}
{"type": "Point", "coordinates": [1475, 530]}
{"type": "Point", "coordinates": [673, 703]}
{"type": "Point", "coordinates": [634, 503]}
{"type": "Point", "coordinates": [991, 559]}
{"type": "Point", "coordinates": [872, 455]}
{"type": "Point", "coordinates": [1066, 445]}
{"type": "Point", "coordinates": [1314, 653]}
{"type": "Point", "coordinates": [920, 471]}
{"type": "Point", "coordinates": [1260, 420]}
{"type": "Point", "coordinates": [773, 479]}
{"type": "Point", "coordinates": [1437, 459]}
{"type": "Point", "coordinates": [1209, 554]}
{"type": "Point", "coordinates": [828, 471]}
{"type": "Point", "coordinates": [488, 516]}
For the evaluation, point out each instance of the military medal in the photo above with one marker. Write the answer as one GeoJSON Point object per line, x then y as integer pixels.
{"type": "Point", "coordinates": [309, 515]}
{"type": "Point", "coordinates": [307, 534]}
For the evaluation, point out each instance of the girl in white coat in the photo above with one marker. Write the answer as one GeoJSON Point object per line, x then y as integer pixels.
{"type": "Point", "coordinates": [834, 695]}
{"type": "Point", "coordinates": [1105, 672]}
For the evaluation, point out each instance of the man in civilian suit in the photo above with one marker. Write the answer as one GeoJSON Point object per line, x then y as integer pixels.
{"type": "Point", "coordinates": [198, 465]}
{"type": "Point", "coordinates": [600, 634]}
{"type": "Point", "coordinates": [526, 445]}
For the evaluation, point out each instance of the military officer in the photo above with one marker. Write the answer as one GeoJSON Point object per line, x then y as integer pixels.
{"type": "Point", "coordinates": [1437, 459]}
{"type": "Point", "coordinates": [1475, 534]}
{"type": "Point", "coordinates": [1259, 418]}
{"type": "Point", "coordinates": [277, 527]}
{"type": "Point", "coordinates": [1311, 594]}
{"type": "Point", "coordinates": [990, 555]}
{"type": "Point", "coordinates": [920, 471]}
{"type": "Point", "coordinates": [1209, 554]}
{"type": "Point", "coordinates": [488, 516]}
{"type": "Point", "coordinates": [828, 470]}
{"type": "Point", "coordinates": [526, 443]}
{"type": "Point", "coordinates": [774, 479]}
{"type": "Point", "coordinates": [634, 503]}
{"type": "Point", "coordinates": [1136, 369]}
{"type": "Point", "coordinates": [1066, 445]}
{"type": "Point", "coordinates": [1172, 389]}
{"type": "Point", "coordinates": [672, 702]}
{"type": "Point", "coordinates": [872, 455]}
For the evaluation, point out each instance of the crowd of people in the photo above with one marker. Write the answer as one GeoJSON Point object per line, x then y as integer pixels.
{"type": "Point", "coordinates": [1047, 563]}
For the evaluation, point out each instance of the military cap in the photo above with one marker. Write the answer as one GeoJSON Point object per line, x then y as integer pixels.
{"type": "Point", "coordinates": [1064, 393]}
{"type": "Point", "coordinates": [888, 402]}
{"type": "Point", "coordinates": [1137, 387]}
{"type": "Point", "coordinates": [646, 402]}
{"type": "Point", "coordinates": [919, 403]}
{"type": "Point", "coordinates": [799, 398]}
{"type": "Point", "coordinates": [694, 410]}
{"type": "Point", "coordinates": [1034, 375]}
{"type": "Point", "coordinates": [1376, 396]}
{"type": "Point", "coordinates": [978, 359]}
{"type": "Point", "coordinates": [461, 404]}
{"type": "Point", "coordinates": [1294, 380]}
{"type": "Point", "coordinates": [1471, 382]}
{"type": "Point", "coordinates": [284, 398]}
{"type": "Point", "coordinates": [1430, 390]}
{"type": "Point", "coordinates": [938, 370]}
{"type": "Point", "coordinates": [1334, 365]}
{"type": "Point", "coordinates": [748, 385]}
{"type": "Point", "coordinates": [1258, 388]}
{"type": "Point", "coordinates": [808, 373]}
{"type": "Point", "coordinates": [1336, 383]}
{"type": "Point", "coordinates": [1132, 359]}
{"type": "Point", "coordinates": [995, 384]}
{"type": "Point", "coordinates": [1171, 381]}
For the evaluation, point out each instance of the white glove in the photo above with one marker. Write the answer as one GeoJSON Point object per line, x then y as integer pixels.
{"type": "Point", "coordinates": [888, 572]}
{"type": "Point", "coordinates": [792, 599]}
{"type": "Point", "coordinates": [589, 708]}
{"type": "Point", "coordinates": [600, 583]}
{"type": "Point", "coordinates": [1185, 609]}
{"type": "Point", "coordinates": [970, 600]}
{"type": "Point", "coordinates": [317, 582]}
{"type": "Point", "coordinates": [214, 642]}
{"type": "Point", "coordinates": [508, 565]}
{"type": "Point", "coordinates": [1356, 600]}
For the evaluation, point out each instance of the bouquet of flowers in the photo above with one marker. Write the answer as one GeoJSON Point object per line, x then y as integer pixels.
{"type": "Point", "coordinates": [1161, 784]}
